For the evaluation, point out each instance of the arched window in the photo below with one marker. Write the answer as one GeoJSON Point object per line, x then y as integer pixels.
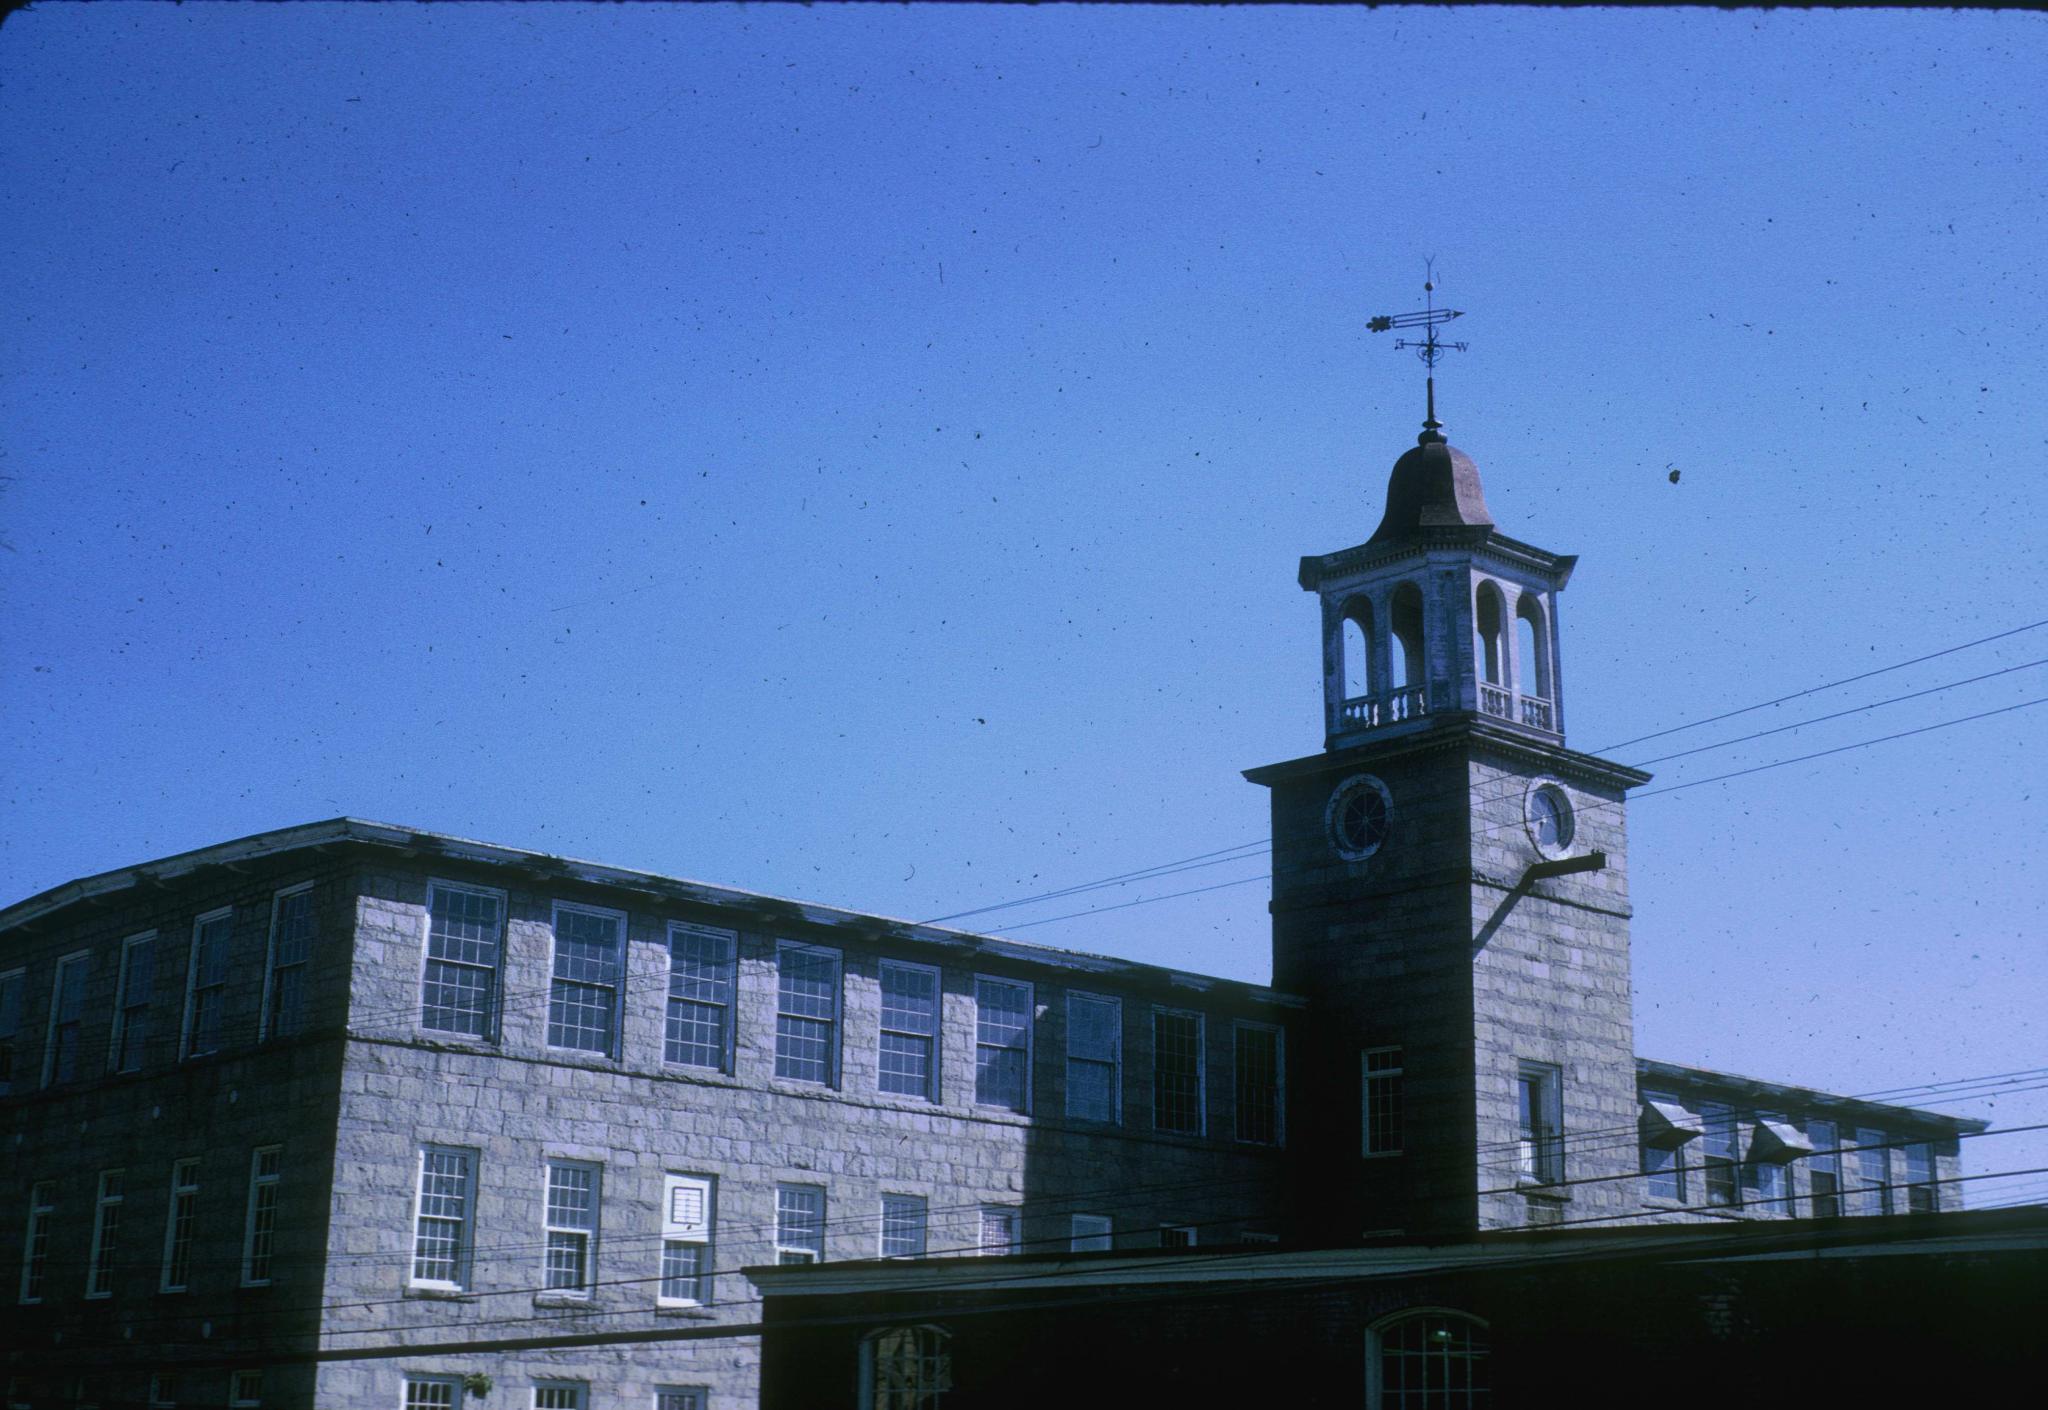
{"type": "Point", "coordinates": [1433, 1358]}
{"type": "Point", "coordinates": [906, 1368]}
{"type": "Point", "coordinates": [1532, 648]}
{"type": "Point", "coordinates": [1405, 613]}
{"type": "Point", "coordinates": [1487, 622]}
{"type": "Point", "coordinates": [1358, 682]}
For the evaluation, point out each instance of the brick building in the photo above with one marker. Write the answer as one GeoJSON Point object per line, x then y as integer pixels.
{"type": "Point", "coordinates": [353, 1115]}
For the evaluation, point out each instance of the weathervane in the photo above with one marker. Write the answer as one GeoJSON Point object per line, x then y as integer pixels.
{"type": "Point", "coordinates": [1429, 348]}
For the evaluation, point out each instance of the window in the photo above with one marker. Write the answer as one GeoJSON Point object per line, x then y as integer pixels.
{"type": "Point", "coordinates": [106, 1236]}
{"type": "Point", "coordinates": [1428, 1359]}
{"type": "Point", "coordinates": [571, 1224]}
{"type": "Point", "coordinates": [910, 1028]}
{"type": "Point", "coordinates": [465, 945]}
{"type": "Point", "coordinates": [1258, 1083]}
{"type": "Point", "coordinates": [1921, 1195]}
{"type": "Point", "coordinates": [260, 1236]}
{"type": "Point", "coordinates": [1095, 1057]}
{"type": "Point", "coordinates": [184, 1209]}
{"type": "Point", "coordinates": [906, 1368]}
{"type": "Point", "coordinates": [806, 1013]}
{"type": "Point", "coordinates": [686, 1223]}
{"type": "Point", "coordinates": [35, 1244]}
{"type": "Point", "coordinates": [1002, 1044]}
{"type": "Point", "coordinates": [998, 1230]}
{"type": "Point", "coordinates": [131, 1005]}
{"type": "Point", "coordinates": [1091, 1233]}
{"type": "Point", "coordinates": [12, 986]}
{"type": "Point", "coordinates": [1381, 1078]}
{"type": "Point", "coordinates": [291, 945]}
{"type": "Point", "coordinates": [433, 1393]}
{"type": "Point", "coordinates": [679, 1398]}
{"type": "Point", "coordinates": [442, 1220]}
{"type": "Point", "coordinates": [1664, 1172]}
{"type": "Point", "coordinates": [1872, 1193]}
{"type": "Point", "coordinates": [1177, 1071]}
{"type": "Point", "coordinates": [1539, 1113]}
{"type": "Point", "coordinates": [1825, 1173]}
{"type": "Point", "coordinates": [700, 982]}
{"type": "Point", "coordinates": [903, 1226]}
{"type": "Point", "coordinates": [67, 1019]}
{"type": "Point", "coordinates": [1176, 1236]}
{"type": "Point", "coordinates": [164, 1390]}
{"type": "Point", "coordinates": [1763, 1184]}
{"type": "Point", "coordinates": [799, 1223]}
{"type": "Point", "coordinates": [245, 1388]}
{"type": "Point", "coordinates": [206, 983]}
{"type": "Point", "coordinates": [583, 1000]}
{"type": "Point", "coordinates": [560, 1395]}
{"type": "Point", "coordinates": [1717, 1154]}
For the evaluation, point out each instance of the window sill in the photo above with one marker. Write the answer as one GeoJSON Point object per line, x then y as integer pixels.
{"type": "Point", "coordinates": [695, 1312]}
{"type": "Point", "coordinates": [1545, 1190]}
{"type": "Point", "coordinates": [562, 1299]}
{"type": "Point", "coordinates": [428, 1294]}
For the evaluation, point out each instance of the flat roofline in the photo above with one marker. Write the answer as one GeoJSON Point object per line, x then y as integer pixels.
{"type": "Point", "coordinates": [360, 832]}
{"type": "Point", "coordinates": [1650, 1071]}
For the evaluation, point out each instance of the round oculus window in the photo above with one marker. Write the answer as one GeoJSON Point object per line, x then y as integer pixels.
{"type": "Point", "coordinates": [1551, 823]}
{"type": "Point", "coordinates": [1357, 817]}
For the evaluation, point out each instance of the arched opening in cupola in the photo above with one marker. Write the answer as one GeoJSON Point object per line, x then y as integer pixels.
{"type": "Point", "coordinates": [1488, 621]}
{"type": "Point", "coordinates": [1405, 621]}
{"type": "Point", "coordinates": [1532, 647]}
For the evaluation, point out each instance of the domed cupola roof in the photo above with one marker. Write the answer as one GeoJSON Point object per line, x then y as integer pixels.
{"type": "Point", "coordinates": [1434, 486]}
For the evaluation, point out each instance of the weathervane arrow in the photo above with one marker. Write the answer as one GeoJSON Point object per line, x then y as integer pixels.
{"type": "Point", "coordinates": [1429, 347]}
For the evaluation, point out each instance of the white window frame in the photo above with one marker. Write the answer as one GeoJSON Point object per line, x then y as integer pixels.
{"type": "Point", "coordinates": [185, 1199]}
{"type": "Point", "coordinates": [81, 959]}
{"type": "Point", "coordinates": [728, 1008]}
{"type": "Point", "coordinates": [787, 1251]}
{"type": "Point", "coordinates": [1720, 1156]}
{"type": "Point", "coordinates": [1373, 1082]}
{"type": "Point", "coordinates": [1201, 1127]}
{"type": "Point", "coordinates": [577, 1394]}
{"type": "Point", "coordinates": [835, 1024]}
{"type": "Point", "coordinates": [1278, 1139]}
{"type": "Point", "coordinates": [1115, 1061]}
{"type": "Point", "coordinates": [1648, 1152]}
{"type": "Point", "coordinates": [117, 1045]}
{"type": "Point", "coordinates": [261, 1184]}
{"type": "Point", "coordinates": [1091, 1233]}
{"type": "Point", "coordinates": [1540, 1150]}
{"type": "Point", "coordinates": [1918, 1189]}
{"type": "Point", "coordinates": [586, 1285]}
{"type": "Point", "coordinates": [1007, 1217]}
{"type": "Point", "coordinates": [13, 1003]}
{"type": "Point", "coordinates": [452, 1384]}
{"type": "Point", "coordinates": [620, 950]}
{"type": "Point", "coordinates": [1025, 1105]}
{"type": "Point", "coordinates": [689, 1216]}
{"type": "Point", "coordinates": [185, 1030]}
{"type": "Point", "coordinates": [164, 1389]}
{"type": "Point", "coordinates": [681, 1398]}
{"type": "Point", "coordinates": [494, 1008]}
{"type": "Point", "coordinates": [42, 1210]}
{"type": "Point", "coordinates": [913, 1204]}
{"type": "Point", "coordinates": [268, 1019]}
{"type": "Point", "coordinates": [1825, 1160]}
{"type": "Point", "coordinates": [465, 1233]}
{"type": "Point", "coordinates": [1872, 1147]}
{"type": "Point", "coordinates": [110, 1196]}
{"type": "Point", "coordinates": [932, 1038]}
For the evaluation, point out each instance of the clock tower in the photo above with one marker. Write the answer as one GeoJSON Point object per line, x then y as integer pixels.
{"type": "Point", "coordinates": [1450, 887]}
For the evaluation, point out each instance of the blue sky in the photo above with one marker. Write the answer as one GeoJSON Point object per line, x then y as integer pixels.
{"type": "Point", "coordinates": [862, 454]}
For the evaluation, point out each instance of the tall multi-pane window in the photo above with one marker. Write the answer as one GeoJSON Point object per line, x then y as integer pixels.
{"type": "Point", "coordinates": [13, 988]}
{"type": "Point", "coordinates": [291, 946]}
{"type": "Point", "coordinates": [700, 983]}
{"type": "Point", "coordinates": [1539, 1116]}
{"type": "Point", "coordinates": [1429, 1361]}
{"type": "Point", "coordinates": [910, 1030]}
{"type": "Point", "coordinates": [1718, 1153]}
{"type": "Point", "coordinates": [678, 1398]}
{"type": "Point", "coordinates": [67, 1019]}
{"type": "Point", "coordinates": [1002, 1044]}
{"type": "Point", "coordinates": [1824, 1171]}
{"type": "Point", "coordinates": [131, 1004]}
{"type": "Point", "coordinates": [572, 1202]}
{"type": "Point", "coordinates": [433, 1393]}
{"type": "Point", "coordinates": [561, 1395]}
{"type": "Point", "coordinates": [165, 1388]}
{"type": "Point", "coordinates": [1381, 1085]}
{"type": "Point", "coordinates": [590, 960]}
{"type": "Point", "coordinates": [1663, 1163]}
{"type": "Point", "coordinates": [1872, 1192]}
{"type": "Point", "coordinates": [35, 1243]}
{"type": "Point", "coordinates": [441, 1226]}
{"type": "Point", "coordinates": [179, 1225]}
{"type": "Point", "coordinates": [903, 1226]}
{"type": "Point", "coordinates": [799, 1223]}
{"type": "Point", "coordinates": [259, 1240]}
{"type": "Point", "coordinates": [465, 947]}
{"type": "Point", "coordinates": [999, 1233]}
{"type": "Point", "coordinates": [1089, 1233]}
{"type": "Point", "coordinates": [1921, 1195]}
{"type": "Point", "coordinates": [806, 1013]}
{"type": "Point", "coordinates": [206, 983]}
{"type": "Point", "coordinates": [1177, 1071]}
{"type": "Point", "coordinates": [1258, 1073]}
{"type": "Point", "coordinates": [1095, 1056]}
{"type": "Point", "coordinates": [686, 1222]}
{"type": "Point", "coordinates": [906, 1368]}
{"type": "Point", "coordinates": [245, 1390]}
{"type": "Point", "coordinates": [106, 1236]}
